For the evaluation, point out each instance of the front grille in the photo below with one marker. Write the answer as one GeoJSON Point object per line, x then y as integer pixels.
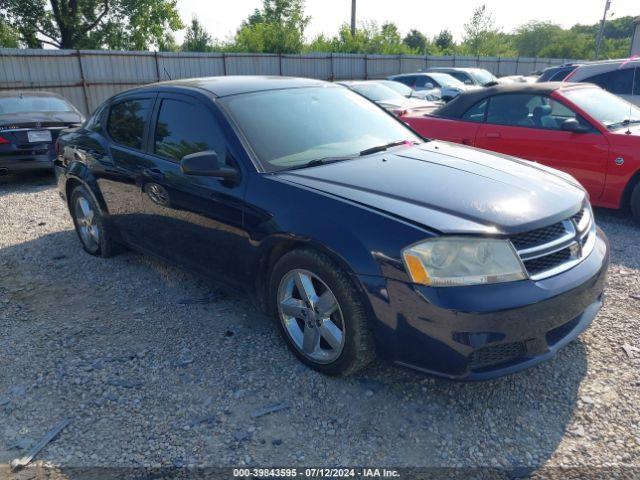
{"type": "Point", "coordinates": [547, 262]}
{"type": "Point", "coordinates": [553, 249]}
{"type": "Point", "coordinates": [538, 237]}
{"type": "Point", "coordinates": [496, 354]}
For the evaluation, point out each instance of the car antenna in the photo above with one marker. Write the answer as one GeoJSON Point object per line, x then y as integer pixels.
{"type": "Point", "coordinates": [167, 73]}
{"type": "Point", "coordinates": [633, 84]}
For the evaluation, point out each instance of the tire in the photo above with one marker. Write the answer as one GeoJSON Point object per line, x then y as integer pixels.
{"type": "Point", "coordinates": [635, 203]}
{"type": "Point", "coordinates": [334, 335]}
{"type": "Point", "coordinates": [90, 226]}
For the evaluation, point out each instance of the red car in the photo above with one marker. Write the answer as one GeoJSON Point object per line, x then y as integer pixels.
{"type": "Point", "coordinates": [578, 128]}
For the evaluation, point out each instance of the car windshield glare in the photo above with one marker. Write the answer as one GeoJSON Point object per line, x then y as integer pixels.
{"type": "Point", "coordinates": [376, 92]}
{"type": "Point", "coordinates": [290, 128]}
{"type": "Point", "coordinates": [610, 110]}
{"type": "Point", "coordinates": [446, 80]}
{"type": "Point", "coordinates": [32, 103]}
{"type": "Point", "coordinates": [401, 88]}
{"type": "Point", "coordinates": [483, 76]}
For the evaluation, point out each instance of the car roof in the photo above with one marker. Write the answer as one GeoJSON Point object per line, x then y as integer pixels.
{"type": "Point", "coordinates": [237, 84]}
{"type": "Point", "coordinates": [459, 105]}
{"type": "Point", "coordinates": [454, 69]}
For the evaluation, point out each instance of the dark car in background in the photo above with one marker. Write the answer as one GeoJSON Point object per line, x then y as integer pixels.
{"type": "Point", "coordinates": [557, 74]}
{"type": "Point", "coordinates": [30, 122]}
{"type": "Point", "coordinates": [359, 237]}
{"type": "Point", "coordinates": [388, 98]}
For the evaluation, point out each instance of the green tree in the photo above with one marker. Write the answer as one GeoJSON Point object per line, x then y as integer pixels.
{"type": "Point", "coordinates": [529, 39]}
{"type": "Point", "coordinates": [444, 42]}
{"type": "Point", "coordinates": [196, 38]}
{"type": "Point", "coordinates": [168, 43]}
{"type": "Point", "coordinates": [9, 38]}
{"type": "Point", "coordinates": [416, 41]}
{"type": "Point", "coordinates": [123, 24]}
{"type": "Point", "coordinates": [480, 31]}
{"type": "Point", "coordinates": [276, 28]}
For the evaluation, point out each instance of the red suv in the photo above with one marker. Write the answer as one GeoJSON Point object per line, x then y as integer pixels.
{"type": "Point", "coordinates": [578, 128]}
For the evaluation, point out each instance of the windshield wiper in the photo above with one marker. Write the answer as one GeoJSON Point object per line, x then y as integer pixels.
{"type": "Point", "coordinates": [382, 148]}
{"type": "Point", "coordinates": [623, 123]}
{"type": "Point", "coordinates": [321, 161]}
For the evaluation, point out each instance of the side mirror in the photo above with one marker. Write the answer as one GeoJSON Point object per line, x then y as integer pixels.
{"type": "Point", "coordinates": [206, 164]}
{"type": "Point", "coordinates": [429, 86]}
{"type": "Point", "coordinates": [572, 125]}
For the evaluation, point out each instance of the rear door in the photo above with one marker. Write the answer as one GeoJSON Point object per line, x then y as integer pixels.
{"type": "Point", "coordinates": [117, 168]}
{"type": "Point", "coordinates": [530, 127]}
{"type": "Point", "coordinates": [195, 221]}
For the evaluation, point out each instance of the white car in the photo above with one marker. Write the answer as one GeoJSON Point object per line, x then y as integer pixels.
{"type": "Point", "coordinates": [434, 95]}
{"type": "Point", "coordinates": [449, 86]}
{"type": "Point", "coordinates": [388, 98]}
{"type": "Point", "coordinates": [616, 76]}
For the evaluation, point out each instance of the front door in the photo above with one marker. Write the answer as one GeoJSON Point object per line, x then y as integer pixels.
{"type": "Point", "coordinates": [192, 220]}
{"type": "Point", "coordinates": [530, 127]}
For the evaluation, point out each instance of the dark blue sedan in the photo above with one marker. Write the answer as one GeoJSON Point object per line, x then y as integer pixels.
{"type": "Point", "coordinates": [359, 237]}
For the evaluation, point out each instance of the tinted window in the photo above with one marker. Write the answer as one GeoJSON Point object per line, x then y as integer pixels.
{"type": "Point", "coordinates": [476, 113]}
{"type": "Point", "coordinates": [94, 123]}
{"type": "Point", "coordinates": [422, 81]}
{"type": "Point", "coordinates": [33, 103]}
{"type": "Point", "coordinates": [184, 128]}
{"type": "Point", "coordinates": [126, 122]}
{"type": "Point", "coordinates": [617, 81]}
{"type": "Point", "coordinates": [463, 77]}
{"type": "Point", "coordinates": [406, 80]}
{"type": "Point", "coordinates": [290, 127]}
{"type": "Point", "coordinates": [560, 76]}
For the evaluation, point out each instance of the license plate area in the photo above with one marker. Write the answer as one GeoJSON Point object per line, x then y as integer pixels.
{"type": "Point", "coordinates": [39, 136]}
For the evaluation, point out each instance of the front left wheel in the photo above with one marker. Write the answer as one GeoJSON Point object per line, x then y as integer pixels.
{"type": "Point", "coordinates": [320, 313]}
{"type": "Point", "coordinates": [90, 225]}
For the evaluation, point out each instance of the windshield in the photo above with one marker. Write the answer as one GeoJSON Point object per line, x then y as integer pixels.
{"type": "Point", "coordinates": [483, 77]}
{"type": "Point", "coordinates": [446, 80]}
{"type": "Point", "coordinates": [290, 128]}
{"type": "Point", "coordinates": [376, 91]}
{"type": "Point", "coordinates": [32, 103]}
{"type": "Point", "coordinates": [610, 110]}
{"type": "Point", "coordinates": [401, 88]}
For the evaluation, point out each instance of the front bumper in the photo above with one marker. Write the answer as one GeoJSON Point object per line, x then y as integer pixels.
{"type": "Point", "coordinates": [485, 331]}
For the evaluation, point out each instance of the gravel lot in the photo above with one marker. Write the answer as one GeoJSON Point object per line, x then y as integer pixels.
{"type": "Point", "coordinates": [156, 368]}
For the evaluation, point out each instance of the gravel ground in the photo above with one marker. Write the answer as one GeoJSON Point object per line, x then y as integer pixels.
{"type": "Point", "coordinates": [156, 368]}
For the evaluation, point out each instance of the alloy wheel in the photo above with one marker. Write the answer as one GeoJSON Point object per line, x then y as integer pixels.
{"type": "Point", "coordinates": [311, 316]}
{"type": "Point", "coordinates": [86, 223]}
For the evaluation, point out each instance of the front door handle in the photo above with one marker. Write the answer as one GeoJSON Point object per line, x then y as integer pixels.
{"type": "Point", "coordinates": [493, 135]}
{"type": "Point", "coordinates": [153, 173]}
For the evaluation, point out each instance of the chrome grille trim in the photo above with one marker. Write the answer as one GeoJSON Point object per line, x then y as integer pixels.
{"type": "Point", "coordinates": [578, 240]}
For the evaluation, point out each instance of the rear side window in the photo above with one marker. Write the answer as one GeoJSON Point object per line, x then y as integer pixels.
{"type": "Point", "coordinates": [423, 80]}
{"type": "Point", "coordinates": [127, 120]}
{"type": "Point", "coordinates": [476, 113]}
{"type": "Point", "coordinates": [406, 80]}
{"type": "Point", "coordinates": [463, 77]}
{"type": "Point", "coordinates": [184, 128]}
{"type": "Point", "coordinates": [617, 81]}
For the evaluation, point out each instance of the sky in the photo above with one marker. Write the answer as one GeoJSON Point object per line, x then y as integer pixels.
{"type": "Point", "coordinates": [222, 17]}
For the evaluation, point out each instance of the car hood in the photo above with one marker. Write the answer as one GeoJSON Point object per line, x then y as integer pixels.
{"type": "Point", "coordinates": [450, 188]}
{"type": "Point", "coordinates": [45, 118]}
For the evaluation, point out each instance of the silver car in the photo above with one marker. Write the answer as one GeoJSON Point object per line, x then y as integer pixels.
{"type": "Point", "coordinates": [449, 86]}
{"type": "Point", "coordinates": [388, 98]}
{"type": "Point", "coordinates": [620, 77]}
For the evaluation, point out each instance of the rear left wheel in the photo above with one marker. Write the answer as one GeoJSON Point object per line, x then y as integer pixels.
{"type": "Point", "coordinates": [320, 313]}
{"type": "Point", "coordinates": [90, 225]}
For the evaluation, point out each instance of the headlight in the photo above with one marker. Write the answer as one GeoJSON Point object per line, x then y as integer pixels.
{"type": "Point", "coordinates": [454, 261]}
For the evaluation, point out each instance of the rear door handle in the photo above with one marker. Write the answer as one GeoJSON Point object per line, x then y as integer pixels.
{"type": "Point", "coordinates": [493, 135]}
{"type": "Point", "coordinates": [153, 173]}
